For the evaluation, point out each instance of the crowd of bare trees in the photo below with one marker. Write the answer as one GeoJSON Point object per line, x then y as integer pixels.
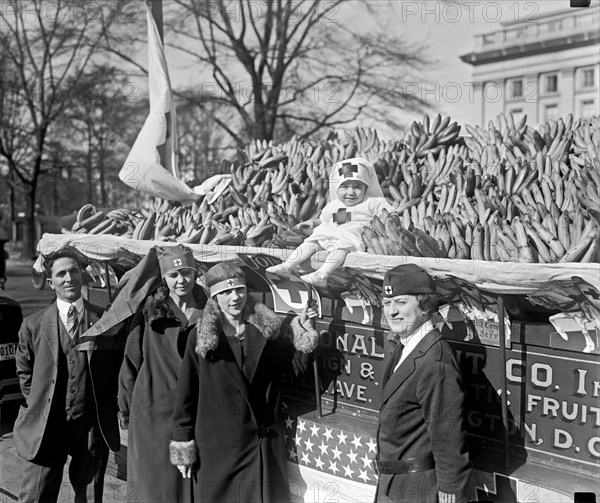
{"type": "Point", "coordinates": [73, 95]}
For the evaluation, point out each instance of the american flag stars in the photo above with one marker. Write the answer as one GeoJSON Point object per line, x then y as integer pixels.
{"type": "Point", "coordinates": [330, 449]}
{"type": "Point", "coordinates": [301, 426]}
{"type": "Point", "coordinates": [333, 467]}
{"type": "Point", "coordinates": [366, 460]}
{"type": "Point", "coordinates": [352, 455]}
{"type": "Point", "coordinates": [364, 477]}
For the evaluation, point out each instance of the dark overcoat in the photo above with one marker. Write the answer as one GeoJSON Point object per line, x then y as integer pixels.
{"type": "Point", "coordinates": [233, 418]}
{"type": "Point", "coordinates": [422, 413]}
{"type": "Point", "coordinates": [147, 384]}
{"type": "Point", "coordinates": [37, 369]}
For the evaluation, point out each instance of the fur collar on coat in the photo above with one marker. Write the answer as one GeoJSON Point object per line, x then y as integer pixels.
{"type": "Point", "coordinates": [266, 321]}
{"type": "Point", "coordinates": [156, 306]}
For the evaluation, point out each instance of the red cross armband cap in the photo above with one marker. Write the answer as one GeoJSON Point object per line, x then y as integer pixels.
{"type": "Point", "coordinates": [223, 277]}
{"type": "Point", "coordinates": [173, 258]}
{"type": "Point", "coordinates": [407, 279]}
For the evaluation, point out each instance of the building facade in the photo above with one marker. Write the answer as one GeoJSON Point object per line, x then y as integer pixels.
{"type": "Point", "coordinates": [545, 67]}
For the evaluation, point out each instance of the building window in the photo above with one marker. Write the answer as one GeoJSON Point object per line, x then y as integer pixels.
{"type": "Point", "coordinates": [555, 26]}
{"type": "Point", "coordinates": [551, 112]}
{"type": "Point", "coordinates": [551, 83]}
{"type": "Point", "coordinates": [517, 89]}
{"type": "Point", "coordinates": [588, 109]}
{"type": "Point", "coordinates": [489, 38]}
{"type": "Point", "coordinates": [587, 77]}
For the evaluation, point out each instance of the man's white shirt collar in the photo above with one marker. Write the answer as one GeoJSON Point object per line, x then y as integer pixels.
{"type": "Point", "coordinates": [411, 341]}
{"type": "Point", "coordinates": [63, 307]}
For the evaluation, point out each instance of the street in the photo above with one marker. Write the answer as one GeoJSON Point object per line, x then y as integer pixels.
{"type": "Point", "coordinates": [20, 288]}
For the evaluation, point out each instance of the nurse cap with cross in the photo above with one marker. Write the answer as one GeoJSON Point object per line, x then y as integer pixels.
{"type": "Point", "coordinates": [407, 279]}
{"type": "Point", "coordinates": [171, 258]}
{"type": "Point", "coordinates": [223, 277]}
{"type": "Point", "coordinates": [354, 169]}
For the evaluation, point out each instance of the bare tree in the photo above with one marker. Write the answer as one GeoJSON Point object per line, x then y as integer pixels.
{"type": "Point", "coordinates": [202, 144]}
{"type": "Point", "coordinates": [291, 66]}
{"type": "Point", "coordinates": [101, 123]}
{"type": "Point", "coordinates": [45, 45]}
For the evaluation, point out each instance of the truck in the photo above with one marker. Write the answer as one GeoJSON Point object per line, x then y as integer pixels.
{"type": "Point", "coordinates": [530, 367]}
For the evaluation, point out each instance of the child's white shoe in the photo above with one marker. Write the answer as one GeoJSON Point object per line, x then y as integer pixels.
{"type": "Point", "coordinates": [316, 278]}
{"type": "Point", "coordinates": [282, 269]}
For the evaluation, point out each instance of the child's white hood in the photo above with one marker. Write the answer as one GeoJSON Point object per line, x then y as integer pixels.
{"type": "Point", "coordinates": [356, 168]}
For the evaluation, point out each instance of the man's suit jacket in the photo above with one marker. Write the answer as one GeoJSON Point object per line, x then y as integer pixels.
{"type": "Point", "coordinates": [422, 413]}
{"type": "Point", "coordinates": [37, 369]}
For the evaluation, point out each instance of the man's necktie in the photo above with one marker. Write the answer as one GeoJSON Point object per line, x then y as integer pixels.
{"type": "Point", "coordinates": [72, 320]}
{"type": "Point", "coordinates": [396, 355]}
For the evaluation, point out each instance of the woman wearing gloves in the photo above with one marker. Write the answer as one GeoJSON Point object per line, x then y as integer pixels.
{"type": "Point", "coordinates": [148, 377]}
{"type": "Point", "coordinates": [227, 425]}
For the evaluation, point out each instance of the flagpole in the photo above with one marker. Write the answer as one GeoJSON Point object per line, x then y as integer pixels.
{"type": "Point", "coordinates": [156, 10]}
{"type": "Point", "coordinates": [157, 13]}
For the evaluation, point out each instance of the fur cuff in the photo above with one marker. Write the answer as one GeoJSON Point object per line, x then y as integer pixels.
{"type": "Point", "coordinates": [183, 453]}
{"type": "Point", "coordinates": [123, 417]}
{"type": "Point", "coordinates": [304, 340]}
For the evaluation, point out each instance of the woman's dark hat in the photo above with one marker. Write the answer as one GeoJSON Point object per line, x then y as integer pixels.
{"type": "Point", "coordinates": [223, 277]}
{"type": "Point", "coordinates": [407, 279]}
{"type": "Point", "coordinates": [173, 258]}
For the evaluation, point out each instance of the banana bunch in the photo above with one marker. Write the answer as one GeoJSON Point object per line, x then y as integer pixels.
{"type": "Point", "coordinates": [586, 140]}
{"type": "Point", "coordinates": [368, 144]}
{"type": "Point", "coordinates": [90, 220]}
{"type": "Point", "coordinates": [517, 142]}
{"type": "Point", "coordinates": [430, 136]}
{"type": "Point", "coordinates": [573, 239]}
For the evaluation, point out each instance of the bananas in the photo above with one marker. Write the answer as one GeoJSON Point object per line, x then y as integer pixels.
{"type": "Point", "coordinates": [505, 192]}
{"type": "Point", "coordinates": [90, 220]}
{"type": "Point", "coordinates": [430, 137]}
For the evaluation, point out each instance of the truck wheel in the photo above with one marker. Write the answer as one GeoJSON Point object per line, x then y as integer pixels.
{"type": "Point", "coordinates": [38, 279]}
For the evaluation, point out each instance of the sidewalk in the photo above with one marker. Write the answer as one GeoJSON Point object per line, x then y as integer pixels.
{"type": "Point", "coordinates": [11, 468]}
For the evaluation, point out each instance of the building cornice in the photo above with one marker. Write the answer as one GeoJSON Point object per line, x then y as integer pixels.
{"type": "Point", "coordinates": [532, 49]}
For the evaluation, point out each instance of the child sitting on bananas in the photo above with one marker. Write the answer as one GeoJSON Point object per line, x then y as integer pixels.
{"type": "Point", "coordinates": [355, 198]}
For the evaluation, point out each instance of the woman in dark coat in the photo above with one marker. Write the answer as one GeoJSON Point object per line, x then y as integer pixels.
{"type": "Point", "coordinates": [227, 425]}
{"type": "Point", "coordinates": [148, 377]}
{"type": "Point", "coordinates": [422, 455]}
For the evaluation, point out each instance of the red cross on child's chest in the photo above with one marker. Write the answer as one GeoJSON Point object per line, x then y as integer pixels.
{"type": "Point", "coordinates": [342, 216]}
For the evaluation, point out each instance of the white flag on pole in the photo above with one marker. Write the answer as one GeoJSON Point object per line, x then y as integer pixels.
{"type": "Point", "coordinates": [151, 165]}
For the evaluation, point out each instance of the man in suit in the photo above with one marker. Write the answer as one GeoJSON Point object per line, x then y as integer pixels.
{"type": "Point", "coordinates": [70, 391]}
{"type": "Point", "coordinates": [422, 456]}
